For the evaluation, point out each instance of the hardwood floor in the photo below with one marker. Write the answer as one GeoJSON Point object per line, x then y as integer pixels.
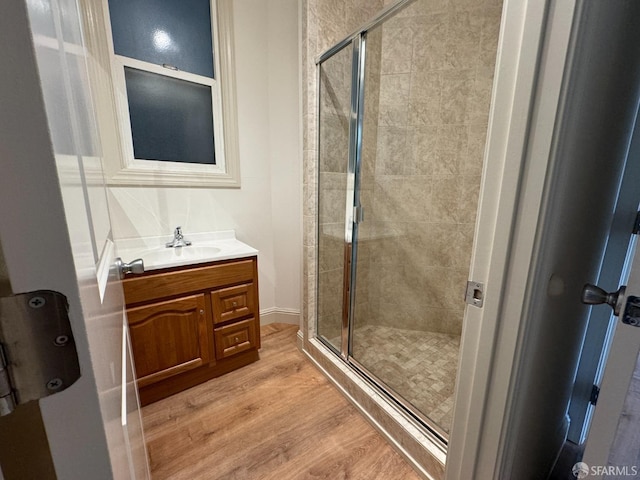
{"type": "Point", "coordinates": [278, 418]}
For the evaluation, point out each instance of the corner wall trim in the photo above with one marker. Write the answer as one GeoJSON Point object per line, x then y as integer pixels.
{"type": "Point", "coordinates": [300, 341]}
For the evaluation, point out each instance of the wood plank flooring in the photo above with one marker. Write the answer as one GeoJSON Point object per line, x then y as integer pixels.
{"type": "Point", "coordinates": [278, 418]}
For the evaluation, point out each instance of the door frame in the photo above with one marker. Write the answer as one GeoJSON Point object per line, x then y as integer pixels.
{"type": "Point", "coordinates": [534, 47]}
{"type": "Point", "coordinates": [484, 423]}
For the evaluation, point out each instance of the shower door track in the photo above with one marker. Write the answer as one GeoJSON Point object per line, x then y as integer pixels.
{"type": "Point", "coordinates": [409, 410]}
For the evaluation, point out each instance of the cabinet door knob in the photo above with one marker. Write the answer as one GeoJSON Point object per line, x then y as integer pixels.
{"type": "Point", "coordinates": [234, 304]}
{"type": "Point", "coordinates": [201, 312]}
{"type": "Point", "coordinates": [236, 340]}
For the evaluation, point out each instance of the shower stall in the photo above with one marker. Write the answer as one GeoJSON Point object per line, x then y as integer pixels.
{"type": "Point", "coordinates": [403, 106]}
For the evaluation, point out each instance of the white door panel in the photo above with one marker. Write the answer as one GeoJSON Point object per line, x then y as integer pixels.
{"type": "Point", "coordinates": [601, 321]}
{"type": "Point", "coordinates": [56, 233]}
{"type": "Point", "coordinates": [130, 415]}
{"type": "Point", "coordinates": [600, 451]}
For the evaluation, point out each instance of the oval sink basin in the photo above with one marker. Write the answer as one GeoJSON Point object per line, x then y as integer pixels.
{"type": "Point", "coordinates": [169, 255]}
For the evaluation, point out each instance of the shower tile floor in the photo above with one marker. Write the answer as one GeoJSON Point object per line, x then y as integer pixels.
{"type": "Point", "coordinates": [420, 366]}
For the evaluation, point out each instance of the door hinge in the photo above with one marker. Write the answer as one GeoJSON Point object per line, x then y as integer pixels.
{"type": "Point", "coordinates": [37, 349]}
{"type": "Point", "coordinates": [7, 398]}
{"type": "Point", "coordinates": [636, 225]}
{"type": "Point", "coordinates": [595, 393]}
{"type": "Point", "coordinates": [475, 294]}
{"type": "Point", "coordinates": [631, 314]}
{"type": "Point", "coordinates": [358, 214]}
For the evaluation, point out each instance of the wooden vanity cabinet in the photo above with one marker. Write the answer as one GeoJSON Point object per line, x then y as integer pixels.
{"type": "Point", "coordinates": [191, 324]}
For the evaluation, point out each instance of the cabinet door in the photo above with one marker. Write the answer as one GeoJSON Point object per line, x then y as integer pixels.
{"type": "Point", "coordinates": [169, 338]}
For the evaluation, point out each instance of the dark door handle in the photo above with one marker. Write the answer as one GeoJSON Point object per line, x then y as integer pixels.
{"type": "Point", "coordinates": [593, 295]}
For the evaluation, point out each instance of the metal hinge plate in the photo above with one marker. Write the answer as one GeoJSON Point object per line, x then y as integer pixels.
{"type": "Point", "coordinates": [632, 311]}
{"type": "Point", "coordinates": [595, 393]}
{"type": "Point", "coordinates": [7, 399]}
{"type": "Point", "coordinates": [475, 294]}
{"type": "Point", "coordinates": [39, 355]}
{"type": "Point", "coordinates": [358, 214]}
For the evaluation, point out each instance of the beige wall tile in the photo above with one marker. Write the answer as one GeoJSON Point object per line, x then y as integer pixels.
{"type": "Point", "coordinates": [393, 115]}
{"type": "Point", "coordinates": [471, 163]}
{"type": "Point", "coordinates": [430, 43]}
{"type": "Point", "coordinates": [391, 150]}
{"type": "Point", "coordinates": [447, 190]}
{"type": "Point", "coordinates": [426, 7]}
{"type": "Point", "coordinates": [457, 88]}
{"type": "Point", "coordinates": [425, 113]}
{"type": "Point", "coordinates": [422, 146]}
{"type": "Point", "coordinates": [394, 89]}
{"type": "Point", "coordinates": [469, 198]}
{"type": "Point", "coordinates": [396, 49]}
{"type": "Point", "coordinates": [334, 143]}
{"type": "Point", "coordinates": [426, 86]}
{"type": "Point", "coordinates": [309, 223]}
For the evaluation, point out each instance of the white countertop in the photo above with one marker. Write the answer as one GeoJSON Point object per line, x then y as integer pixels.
{"type": "Point", "coordinates": [205, 247]}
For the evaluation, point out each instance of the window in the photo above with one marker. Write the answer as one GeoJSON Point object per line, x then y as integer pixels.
{"type": "Point", "coordinates": [172, 69]}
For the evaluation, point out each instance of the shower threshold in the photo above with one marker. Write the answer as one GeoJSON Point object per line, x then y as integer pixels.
{"type": "Point", "coordinates": [420, 368]}
{"type": "Point", "coordinates": [410, 433]}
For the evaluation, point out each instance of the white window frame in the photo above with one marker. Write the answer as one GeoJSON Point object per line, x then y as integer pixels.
{"type": "Point", "coordinates": [128, 170]}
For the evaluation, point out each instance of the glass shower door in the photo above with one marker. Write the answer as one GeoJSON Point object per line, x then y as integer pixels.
{"type": "Point", "coordinates": [335, 186]}
{"type": "Point", "coordinates": [402, 126]}
{"type": "Point", "coordinates": [423, 126]}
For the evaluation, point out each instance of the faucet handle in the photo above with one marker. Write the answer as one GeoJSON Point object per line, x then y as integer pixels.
{"type": "Point", "coordinates": [178, 231]}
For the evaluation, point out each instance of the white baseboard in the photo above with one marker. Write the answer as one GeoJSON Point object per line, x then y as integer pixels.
{"type": "Point", "coordinates": [279, 315]}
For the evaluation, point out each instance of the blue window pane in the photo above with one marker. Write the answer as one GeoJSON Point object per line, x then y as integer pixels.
{"type": "Point", "coordinates": [176, 33]}
{"type": "Point", "coordinates": [171, 119]}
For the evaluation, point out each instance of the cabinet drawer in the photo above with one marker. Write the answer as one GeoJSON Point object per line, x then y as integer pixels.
{"type": "Point", "coordinates": [151, 286]}
{"type": "Point", "coordinates": [233, 302]}
{"type": "Point", "coordinates": [235, 338]}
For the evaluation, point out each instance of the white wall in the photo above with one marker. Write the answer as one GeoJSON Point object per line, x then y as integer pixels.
{"type": "Point", "coordinates": [265, 211]}
{"type": "Point", "coordinates": [285, 149]}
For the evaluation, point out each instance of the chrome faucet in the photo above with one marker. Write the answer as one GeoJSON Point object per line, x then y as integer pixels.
{"type": "Point", "coordinates": [178, 239]}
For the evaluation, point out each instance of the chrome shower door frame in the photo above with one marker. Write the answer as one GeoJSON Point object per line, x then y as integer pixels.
{"type": "Point", "coordinates": [355, 43]}
{"type": "Point", "coordinates": [354, 214]}
{"type": "Point", "coordinates": [353, 208]}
